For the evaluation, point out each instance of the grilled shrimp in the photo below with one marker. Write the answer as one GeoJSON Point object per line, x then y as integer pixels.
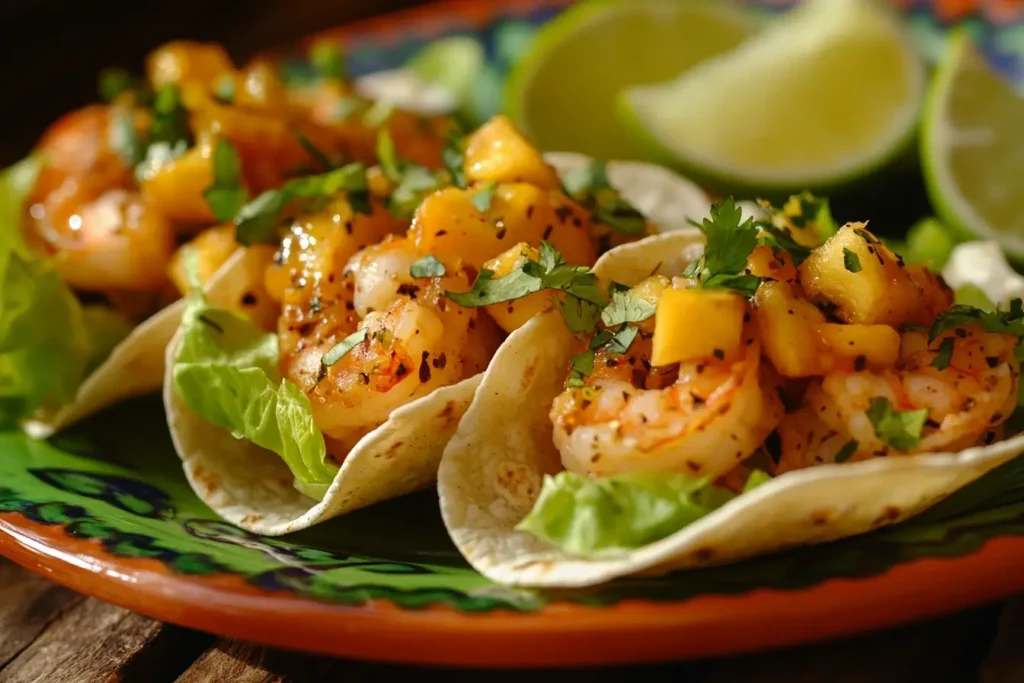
{"type": "Point", "coordinates": [102, 236]}
{"type": "Point", "coordinates": [967, 400]}
{"type": "Point", "coordinates": [701, 418]}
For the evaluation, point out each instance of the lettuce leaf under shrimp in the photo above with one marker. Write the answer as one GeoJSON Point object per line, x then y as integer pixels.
{"type": "Point", "coordinates": [225, 371]}
{"type": "Point", "coordinates": [597, 517]}
{"type": "Point", "coordinates": [45, 344]}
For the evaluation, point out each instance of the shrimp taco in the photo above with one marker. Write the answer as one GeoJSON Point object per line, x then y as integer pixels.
{"type": "Point", "coordinates": [100, 220]}
{"type": "Point", "coordinates": [742, 388]}
{"type": "Point", "coordinates": [386, 319]}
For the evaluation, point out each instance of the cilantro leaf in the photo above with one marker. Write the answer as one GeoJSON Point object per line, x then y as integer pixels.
{"type": "Point", "coordinates": [124, 139]}
{"type": "Point", "coordinates": [900, 429]}
{"type": "Point", "coordinates": [454, 161]}
{"type": "Point", "coordinates": [487, 290]}
{"type": "Point", "coordinates": [851, 261]}
{"type": "Point", "coordinates": [339, 350]}
{"type": "Point", "coordinates": [582, 366]}
{"type": "Point", "coordinates": [590, 187]}
{"type": "Point", "coordinates": [945, 354]}
{"type": "Point", "coordinates": [626, 308]}
{"type": "Point", "coordinates": [387, 155]}
{"type": "Point", "coordinates": [378, 114]}
{"type": "Point", "coordinates": [114, 81]}
{"type": "Point", "coordinates": [415, 184]}
{"type": "Point", "coordinates": [427, 266]}
{"type": "Point", "coordinates": [1009, 321]}
{"type": "Point", "coordinates": [621, 340]}
{"type": "Point", "coordinates": [170, 119]}
{"type": "Point", "coordinates": [257, 221]}
{"type": "Point", "coordinates": [729, 242]}
{"type": "Point", "coordinates": [781, 239]}
{"type": "Point", "coordinates": [579, 315]}
{"type": "Point", "coordinates": [227, 194]}
{"type": "Point", "coordinates": [328, 59]}
{"type": "Point", "coordinates": [481, 198]}
{"type": "Point", "coordinates": [847, 451]}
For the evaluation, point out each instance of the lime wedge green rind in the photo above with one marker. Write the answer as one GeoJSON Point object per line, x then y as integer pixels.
{"type": "Point", "coordinates": [825, 96]}
{"type": "Point", "coordinates": [562, 91]}
{"type": "Point", "coordinates": [972, 149]}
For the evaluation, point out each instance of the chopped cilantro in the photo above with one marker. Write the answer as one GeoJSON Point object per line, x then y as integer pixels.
{"type": "Point", "coordinates": [620, 341]}
{"type": "Point", "coordinates": [582, 366]}
{"type": "Point", "coordinates": [626, 308]}
{"type": "Point", "coordinates": [347, 106]}
{"type": "Point", "coordinates": [227, 194]}
{"type": "Point", "coordinates": [481, 198]}
{"type": "Point", "coordinates": [338, 351]}
{"type": "Point", "coordinates": [729, 242]}
{"type": "Point", "coordinates": [315, 153]}
{"type": "Point", "coordinates": [579, 315]}
{"type": "Point", "coordinates": [124, 139]}
{"type": "Point", "coordinates": [590, 187]}
{"type": "Point", "coordinates": [900, 429]}
{"type": "Point", "coordinates": [427, 266]}
{"type": "Point", "coordinates": [851, 261]}
{"type": "Point", "coordinates": [945, 354]}
{"type": "Point", "coordinates": [847, 451]}
{"type": "Point", "coordinates": [158, 156]}
{"type": "Point", "coordinates": [257, 221]}
{"type": "Point", "coordinates": [170, 119]}
{"type": "Point", "coordinates": [1009, 321]}
{"type": "Point", "coordinates": [414, 181]}
{"type": "Point", "coordinates": [780, 238]}
{"type": "Point", "coordinates": [113, 82]}
{"type": "Point", "coordinates": [328, 59]}
{"type": "Point", "coordinates": [387, 155]}
{"type": "Point", "coordinates": [378, 114]}
{"type": "Point", "coordinates": [454, 160]}
{"type": "Point", "coordinates": [489, 290]}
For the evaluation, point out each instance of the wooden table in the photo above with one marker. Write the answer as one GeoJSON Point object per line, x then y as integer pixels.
{"type": "Point", "coordinates": [49, 634]}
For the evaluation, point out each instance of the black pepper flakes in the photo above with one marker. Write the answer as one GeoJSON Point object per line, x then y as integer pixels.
{"type": "Point", "coordinates": [425, 368]}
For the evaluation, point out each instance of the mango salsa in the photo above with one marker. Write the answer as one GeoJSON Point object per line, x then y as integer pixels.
{"type": "Point", "coordinates": [497, 152]}
{"type": "Point", "coordinates": [691, 324]}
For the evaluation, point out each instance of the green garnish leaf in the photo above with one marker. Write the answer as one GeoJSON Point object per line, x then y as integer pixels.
{"type": "Point", "coordinates": [945, 354]}
{"type": "Point", "coordinates": [621, 340]}
{"type": "Point", "coordinates": [157, 156]}
{"type": "Point", "coordinates": [328, 59]}
{"type": "Point", "coordinates": [590, 187]}
{"type": "Point", "coordinates": [257, 221]}
{"type": "Point", "coordinates": [339, 350]}
{"type": "Point", "coordinates": [481, 198]}
{"type": "Point", "coordinates": [114, 81]}
{"type": "Point", "coordinates": [1009, 321]}
{"type": "Point", "coordinates": [170, 119]}
{"type": "Point", "coordinates": [227, 194]}
{"type": "Point", "coordinates": [224, 89]}
{"type": "Point", "coordinates": [579, 315]}
{"type": "Point", "coordinates": [427, 266]}
{"type": "Point", "coordinates": [454, 160]}
{"type": "Point", "coordinates": [387, 155]}
{"type": "Point", "coordinates": [851, 261]}
{"type": "Point", "coordinates": [730, 240]}
{"type": "Point", "coordinates": [582, 366]}
{"type": "Point", "coordinates": [125, 140]}
{"type": "Point", "coordinates": [601, 517]}
{"type": "Point", "coordinates": [487, 290]}
{"type": "Point", "coordinates": [626, 308]}
{"type": "Point", "coordinates": [225, 371]}
{"type": "Point", "coordinates": [847, 451]}
{"type": "Point", "coordinates": [900, 429]}
{"type": "Point", "coordinates": [781, 239]}
{"type": "Point", "coordinates": [378, 114]}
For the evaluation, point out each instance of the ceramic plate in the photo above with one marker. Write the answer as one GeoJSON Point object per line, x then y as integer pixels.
{"type": "Point", "coordinates": [104, 508]}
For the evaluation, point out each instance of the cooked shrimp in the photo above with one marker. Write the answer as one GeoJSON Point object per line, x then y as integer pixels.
{"type": "Point", "coordinates": [414, 345]}
{"type": "Point", "coordinates": [966, 401]}
{"type": "Point", "coordinates": [702, 418]}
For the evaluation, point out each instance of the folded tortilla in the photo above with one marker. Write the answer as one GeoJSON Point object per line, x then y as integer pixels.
{"type": "Point", "coordinates": [253, 487]}
{"type": "Point", "coordinates": [135, 367]}
{"type": "Point", "coordinates": [492, 469]}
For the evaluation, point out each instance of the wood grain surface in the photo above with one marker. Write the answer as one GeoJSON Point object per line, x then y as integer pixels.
{"type": "Point", "coordinates": [49, 634]}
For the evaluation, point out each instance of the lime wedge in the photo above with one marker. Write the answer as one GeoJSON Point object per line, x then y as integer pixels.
{"type": "Point", "coordinates": [972, 149]}
{"type": "Point", "coordinates": [827, 93]}
{"type": "Point", "coordinates": [562, 91]}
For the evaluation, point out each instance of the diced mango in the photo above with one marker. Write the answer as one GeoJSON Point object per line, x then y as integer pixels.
{"type": "Point", "coordinates": [450, 227]}
{"type": "Point", "coordinates": [866, 282]}
{"type": "Point", "coordinates": [176, 188]}
{"type": "Point", "coordinates": [786, 328]}
{"type": "Point", "coordinates": [861, 346]}
{"type": "Point", "coordinates": [512, 315]}
{"type": "Point", "coordinates": [497, 152]}
{"type": "Point", "coordinates": [767, 262]}
{"type": "Point", "coordinates": [692, 324]}
{"type": "Point", "coordinates": [182, 61]}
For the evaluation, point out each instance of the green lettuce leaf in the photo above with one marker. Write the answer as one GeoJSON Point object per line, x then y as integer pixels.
{"type": "Point", "coordinates": [45, 345]}
{"type": "Point", "coordinates": [601, 517]}
{"type": "Point", "coordinates": [225, 371]}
